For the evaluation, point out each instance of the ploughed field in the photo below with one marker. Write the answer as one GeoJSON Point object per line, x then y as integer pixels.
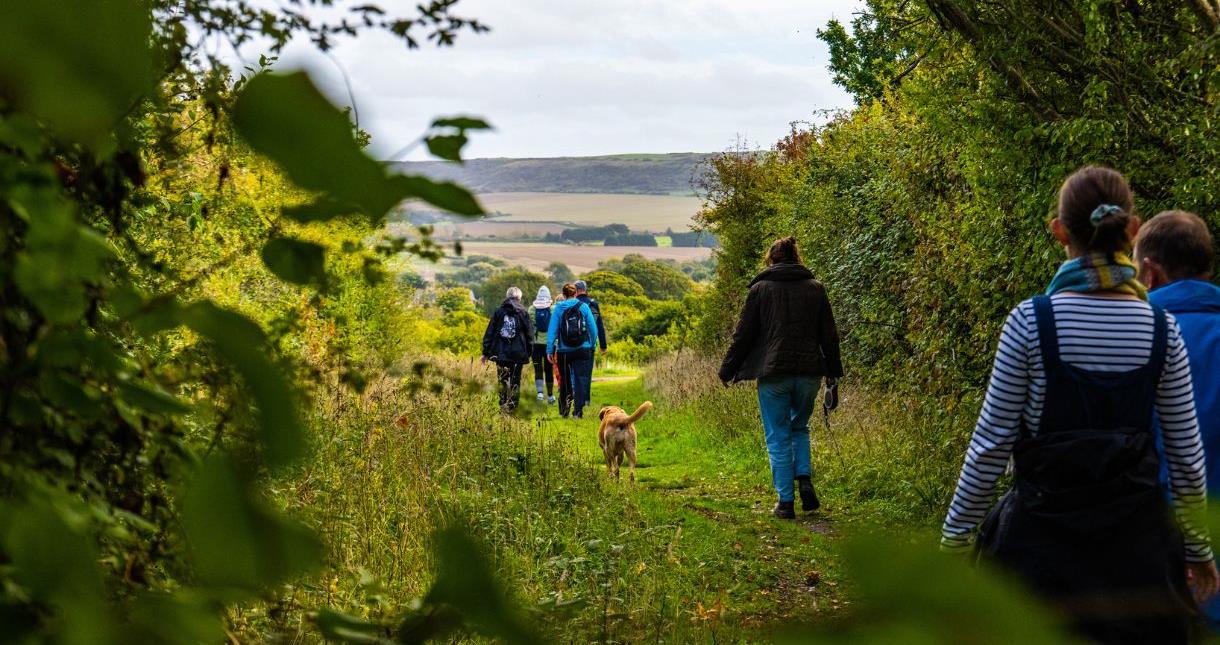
{"type": "Point", "coordinates": [533, 215]}
{"type": "Point", "coordinates": [579, 258]}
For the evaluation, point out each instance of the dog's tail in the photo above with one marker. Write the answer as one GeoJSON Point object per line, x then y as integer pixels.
{"type": "Point", "coordinates": [639, 413]}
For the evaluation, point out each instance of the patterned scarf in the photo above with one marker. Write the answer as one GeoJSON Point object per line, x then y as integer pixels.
{"type": "Point", "coordinates": [1098, 272]}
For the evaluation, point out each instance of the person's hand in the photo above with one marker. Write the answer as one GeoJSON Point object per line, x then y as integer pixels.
{"type": "Point", "coordinates": [1203, 579]}
{"type": "Point", "coordinates": [831, 399]}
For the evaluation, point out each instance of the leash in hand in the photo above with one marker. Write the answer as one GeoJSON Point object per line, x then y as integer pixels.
{"type": "Point", "coordinates": [830, 401]}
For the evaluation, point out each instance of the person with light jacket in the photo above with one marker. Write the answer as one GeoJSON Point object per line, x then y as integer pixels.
{"type": "Point", "coordinates": [540, 312]}
{"type": "Point", "coordinates": [571, 343]}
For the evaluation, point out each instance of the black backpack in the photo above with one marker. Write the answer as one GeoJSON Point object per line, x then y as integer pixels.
{"type": "Point", "coordinates": [573, 330]}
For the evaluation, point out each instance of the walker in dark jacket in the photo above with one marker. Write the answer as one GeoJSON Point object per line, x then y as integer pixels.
{"type": "Point", "coordinates": [786, 339]}
{"type": "Point", "coordinates": [786, 329]}
{"type": "Point", "coordinates": [508, 341]}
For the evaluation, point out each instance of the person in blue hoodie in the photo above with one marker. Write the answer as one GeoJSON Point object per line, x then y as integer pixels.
{"type": "Point", "coordinates": [1176, 257]}
{"type": "Point", "coordinates": [571, 341]}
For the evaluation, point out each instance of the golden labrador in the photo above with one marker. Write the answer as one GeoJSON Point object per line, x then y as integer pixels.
{"type": "Point", "coordinates": [616, 436]}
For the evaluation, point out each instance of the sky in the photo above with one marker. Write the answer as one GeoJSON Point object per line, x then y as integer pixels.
{"type": "Point", "coordinates": [578, 77]}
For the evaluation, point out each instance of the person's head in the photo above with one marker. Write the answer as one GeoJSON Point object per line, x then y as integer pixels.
{"type": "Point", "coordinates": [569, 290]}
{"type": "Point", "coordinates": [1174, 245]}
{"type": "Point", "coordinates": [1096, 212]}
{"type": "Point", "coordinates": [544, 293]}
{"type": "Point", "coordinates": [513, 293]}
{"type": "Point", "coordinates": [783, 251]}
{"type": "Point", "coordinates": [581, 287]}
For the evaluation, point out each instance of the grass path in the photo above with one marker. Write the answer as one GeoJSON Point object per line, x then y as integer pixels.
{"type": "Point", "coordinates": [745, 567]}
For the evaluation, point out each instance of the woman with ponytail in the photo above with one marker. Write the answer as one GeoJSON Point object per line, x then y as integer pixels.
{"type": "Point", "coordinates": [786, 339]}
{"type": "Point", "coordinates": [1078, 376]}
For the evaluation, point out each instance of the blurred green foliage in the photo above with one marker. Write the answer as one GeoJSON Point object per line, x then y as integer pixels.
{"type": "Point", "coordinates": [153, 367]}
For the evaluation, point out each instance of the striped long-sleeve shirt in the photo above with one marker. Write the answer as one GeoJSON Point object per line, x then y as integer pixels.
{"type": "Point", "coordinates": [1094, 333]}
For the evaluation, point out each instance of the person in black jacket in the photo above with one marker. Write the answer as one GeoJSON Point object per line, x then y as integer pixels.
{"type": "Point", "coordinates": [507, 342]}
{"type": "Point", "coordinates": [786, 339]}
{"type": "Point", "coordinates": [582, 294]}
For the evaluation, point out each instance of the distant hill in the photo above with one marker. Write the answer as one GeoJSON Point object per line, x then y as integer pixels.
{"type": "Point", "coordinates": [643, 174]}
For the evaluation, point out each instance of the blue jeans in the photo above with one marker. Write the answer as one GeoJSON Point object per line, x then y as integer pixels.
{"type": "Point", "coordinates": [786, 403]}
{"type": "Point", "coordinates": [575, 372]}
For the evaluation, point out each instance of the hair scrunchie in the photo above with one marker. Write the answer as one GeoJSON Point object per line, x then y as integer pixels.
{"type": "Point", "coordinates": [1102, 212]}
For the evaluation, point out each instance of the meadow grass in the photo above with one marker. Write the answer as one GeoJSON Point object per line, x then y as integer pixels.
{"type": "Point", "coordinates": [691, 553]}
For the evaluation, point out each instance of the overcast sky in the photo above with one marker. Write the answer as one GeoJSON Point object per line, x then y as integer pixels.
{"type": "Point", "coordinates": [579, 77]}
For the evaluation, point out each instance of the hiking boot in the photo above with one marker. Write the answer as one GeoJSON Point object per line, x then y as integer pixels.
{"type": "Point", "coordinates": [784, 511]}
{"type": "Point", "coordinates": [809, 497]}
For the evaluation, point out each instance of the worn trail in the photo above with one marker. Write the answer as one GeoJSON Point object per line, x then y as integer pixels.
{"type": "Point", "coordinates": [765, 568]}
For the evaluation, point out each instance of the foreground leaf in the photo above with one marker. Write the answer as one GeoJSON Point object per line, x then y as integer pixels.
{"type": "Point", "coordinates": [77, 66]}
{"type": "Point", "coordinates": [285, 117]}
{"type": "Point", "coordinates": [295, 260]}
{"type": "Point", "coordinates": [241, 343]}
{"type": "Point", "coordinates": [236, 543]}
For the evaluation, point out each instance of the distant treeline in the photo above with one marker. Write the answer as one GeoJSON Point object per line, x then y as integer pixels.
{"type": "Point", "coordinates": [610, 235]}
{"type": "Point", "coordinates": [594, 234]}
{"type": "Point", "coordinates": [701, 239]}
{"type": "Point", "coordinates": [621, 235]}
{"type": "Point", "coordinates": [631, 239]}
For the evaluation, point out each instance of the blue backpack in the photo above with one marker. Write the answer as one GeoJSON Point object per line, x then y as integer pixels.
{"type": "Point", "coordinates": [542, 319]}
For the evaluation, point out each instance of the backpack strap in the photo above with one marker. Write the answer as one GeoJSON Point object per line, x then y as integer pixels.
{"type": "Point", "coordinates": [1048, 337]}
{"type": "Point", "coordinates": [1160, 342]}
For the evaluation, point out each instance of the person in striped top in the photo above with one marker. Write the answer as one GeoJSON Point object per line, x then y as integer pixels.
{"type": "Point", "coordinates": [1077, 377]}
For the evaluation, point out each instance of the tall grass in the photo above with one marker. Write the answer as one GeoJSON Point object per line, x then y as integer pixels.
{"type": "Point", "coordinates": [589, 559]}
{"type": "Point", "coordinates": [883, 456]}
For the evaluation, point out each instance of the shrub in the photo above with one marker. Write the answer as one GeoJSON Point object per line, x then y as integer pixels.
{"type": "Point", "coordinates": [608, 286]}
{"type": "Point", "coordinates": [491, 291]}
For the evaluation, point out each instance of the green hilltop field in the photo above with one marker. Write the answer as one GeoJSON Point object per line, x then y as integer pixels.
{"type": "Point", "coordinates": [633, 174]}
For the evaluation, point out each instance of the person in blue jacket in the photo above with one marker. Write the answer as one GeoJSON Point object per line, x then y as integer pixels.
{"type": "Point", "coordinates": [571, 341]}
{"type": "Point", "coordinates": [1176, 256]}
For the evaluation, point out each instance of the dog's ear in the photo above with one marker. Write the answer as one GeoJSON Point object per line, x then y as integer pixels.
{"type": "Point", "coordinates": [602, 413]}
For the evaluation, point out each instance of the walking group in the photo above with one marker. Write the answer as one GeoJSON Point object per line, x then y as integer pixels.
{"type": "Point", "coordinates": [560, 338]}
{"type": "Point", "coordinates": [1103, 406]}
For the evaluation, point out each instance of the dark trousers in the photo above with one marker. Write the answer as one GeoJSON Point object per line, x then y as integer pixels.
{"type": "Point", "coordinates": [509, 376]}
{"type": "Point", "coordinates": [574, 384]}
{"type": "Point", "coordinates": [542, 369]}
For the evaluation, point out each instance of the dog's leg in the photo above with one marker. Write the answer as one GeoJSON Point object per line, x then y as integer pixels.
{"type": "Point", "coordinates": [631, 460]}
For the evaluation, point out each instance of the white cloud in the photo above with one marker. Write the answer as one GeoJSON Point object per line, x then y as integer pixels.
{"type": "Point", "coordinates": [580, 78]}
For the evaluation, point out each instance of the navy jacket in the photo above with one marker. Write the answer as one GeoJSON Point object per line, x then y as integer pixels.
{"type": "Point", "coordinates": [597, 315]}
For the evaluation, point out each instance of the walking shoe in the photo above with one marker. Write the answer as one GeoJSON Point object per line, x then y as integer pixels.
{"type": "Point", "coordinates": [540, 397]}
{"type": "Point", "coordinates": [550, 400]}
{"type": "Point", "coordinates": [809, 497]}
{"type": "Point", "coordinates": [784, 511]}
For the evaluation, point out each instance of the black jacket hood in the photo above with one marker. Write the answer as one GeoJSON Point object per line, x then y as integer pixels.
{"type": "Point", "coordinates": [783, 273]}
